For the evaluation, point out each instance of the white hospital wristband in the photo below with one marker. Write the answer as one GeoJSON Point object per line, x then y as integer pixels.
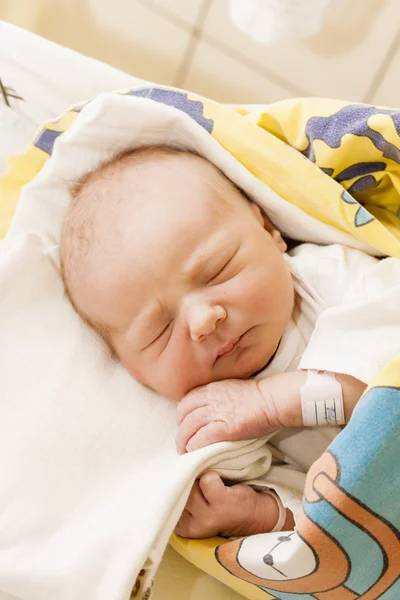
{"type": "Point", "coordinates": [322, 399]}
{"type": "Point", "coordinates": [282, 511]}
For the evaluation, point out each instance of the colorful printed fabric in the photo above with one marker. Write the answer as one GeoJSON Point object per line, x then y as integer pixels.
{"type": "Point", "coordinates": [347, 543]}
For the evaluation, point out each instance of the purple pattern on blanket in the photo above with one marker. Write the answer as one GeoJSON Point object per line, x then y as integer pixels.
{"type": "Point", "coordinates": [45, 140]}
{"type": "Point", "coordinates": [352, 119]}
{"type": "Point", "coordinates": [176, 99]}
{"type": "Point", "coordinates": [359, 170]}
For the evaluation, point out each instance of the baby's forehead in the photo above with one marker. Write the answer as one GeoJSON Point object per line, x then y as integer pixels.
{"type": "Point", "coordinates": [180, 179]}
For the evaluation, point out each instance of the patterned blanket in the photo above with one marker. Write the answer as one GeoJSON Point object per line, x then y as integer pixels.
{"type": "Point", "coordinates": [339, 164]}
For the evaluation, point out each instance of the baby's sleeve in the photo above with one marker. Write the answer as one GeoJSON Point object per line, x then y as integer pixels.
{"type": "Point", "coordinates": [361, 334]}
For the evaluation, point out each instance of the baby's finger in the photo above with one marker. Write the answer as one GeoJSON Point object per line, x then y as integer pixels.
{"type": "Point", "coordinates": [193, 400]}
{"type": "Point", "coordinates": [196, 503]}
{"type": "Point", "coordinates": [211, 433]}
{"type": "Point", "coordinates": [212, 487]}
{"type": "Point", "coordinates": [183, 526]}
{"type": "Point", "coordinates": [190, 425]}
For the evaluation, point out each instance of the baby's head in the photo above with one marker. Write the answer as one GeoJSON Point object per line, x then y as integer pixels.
{"type": "Point", "coordinates": [171, 263]}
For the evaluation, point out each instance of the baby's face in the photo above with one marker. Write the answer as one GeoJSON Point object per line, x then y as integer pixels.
{"type": "Point", "coordinates": [198, 290]}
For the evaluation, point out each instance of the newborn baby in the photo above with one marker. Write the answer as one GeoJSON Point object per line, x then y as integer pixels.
{"type": "Point", "coordinates": [189, 283]}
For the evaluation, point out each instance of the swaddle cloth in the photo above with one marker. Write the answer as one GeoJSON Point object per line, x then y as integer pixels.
{"type": "Point", "coordinates": [91, 485]}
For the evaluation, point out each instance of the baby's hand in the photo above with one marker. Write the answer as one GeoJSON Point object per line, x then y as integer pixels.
{"type": "Point", "coordinates": [213, 508]}
{"type": "Point", "coordinates": [233, 409]}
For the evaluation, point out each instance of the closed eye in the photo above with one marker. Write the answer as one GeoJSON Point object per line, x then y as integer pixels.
{"type": "Point", "coordinates": [159, 336]}
{"type": "Point", "coordinates": [222, 269]}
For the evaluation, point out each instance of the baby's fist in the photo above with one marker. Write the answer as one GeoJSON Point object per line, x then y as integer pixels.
{"type": "Point", "coordinates": [228, 410]}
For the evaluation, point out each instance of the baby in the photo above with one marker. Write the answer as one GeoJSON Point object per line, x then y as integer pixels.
{"type": "Point", "coordinates": [191, 286]}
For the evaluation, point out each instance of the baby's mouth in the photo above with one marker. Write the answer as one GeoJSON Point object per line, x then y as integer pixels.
{"type": "Point", "coordinates": [229, 348]}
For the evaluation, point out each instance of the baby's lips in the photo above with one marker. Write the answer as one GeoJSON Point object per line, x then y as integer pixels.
{"type": "Point", "coordinates": [226, 349]}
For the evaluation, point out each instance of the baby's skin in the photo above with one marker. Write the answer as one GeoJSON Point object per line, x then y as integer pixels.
{"type": "Point", "coordinates": [216, 509]}
{"type": "Point", "coordinates": [185, 279]}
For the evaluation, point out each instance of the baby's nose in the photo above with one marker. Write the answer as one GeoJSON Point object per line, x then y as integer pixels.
{"type": "Point", "coordinates": [205, 320]}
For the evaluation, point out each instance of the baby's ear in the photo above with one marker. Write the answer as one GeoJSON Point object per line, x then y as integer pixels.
{"type": "Point", "coordinates": [268, 226]}
{"type": "Point", "coordinates": [278, 239]}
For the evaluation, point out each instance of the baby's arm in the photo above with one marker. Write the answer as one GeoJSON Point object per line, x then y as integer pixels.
{"type": "Point", "coordinates": [237, 409]}
{"type": "Point", "coordinates": [282, 395]}
{"type": "Point", "coordinates": [238, 510]}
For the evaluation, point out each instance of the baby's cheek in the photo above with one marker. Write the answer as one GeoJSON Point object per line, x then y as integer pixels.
{"type": "Point", "coordinates": [181, 371]}
{"type": "Point", "coordinates": [134, 366]}
{"type": "Point", "coordinates": [270, 294]}
{"type": "Point", "coordinates": [253, 293]}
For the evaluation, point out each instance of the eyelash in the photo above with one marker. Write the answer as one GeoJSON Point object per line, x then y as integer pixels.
{"type": "Point", "coordinates": [221, 270]}
{"type": "Point", "coordinates": [161, 334]}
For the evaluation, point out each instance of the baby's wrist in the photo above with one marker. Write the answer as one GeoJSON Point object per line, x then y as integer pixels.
{"type": "Point", "coordinates": [259, 515]}
{"type": "Point", "coordinates": [261, 512]}
{"type": "Point", "coordinates": [279, 518]}
{"type": "Point", "coordinates": [282, 397]}
{"type": "Point", "coordinates": [266, 514]}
